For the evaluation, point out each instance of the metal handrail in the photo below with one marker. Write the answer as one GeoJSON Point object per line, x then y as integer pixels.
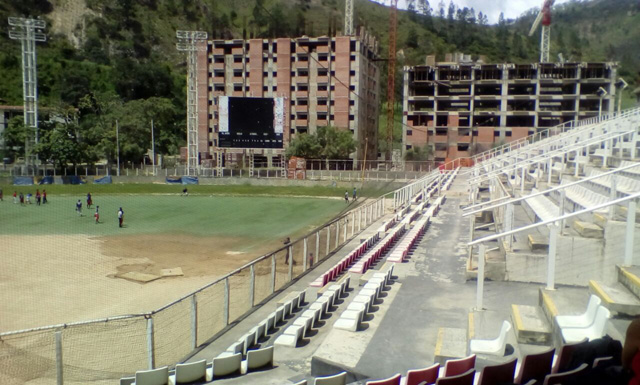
{"type": "Point", "coordinates": [562, 126]}
{"type": "Point", "coordinates": [544, 157]}
{"type": "Point", "coordinates": [563, 186]}
{"type": "Point", "coordinates": [559, 218]}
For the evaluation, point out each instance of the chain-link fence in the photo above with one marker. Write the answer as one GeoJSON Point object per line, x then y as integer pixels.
{"type": "Point", "coordinates": [113, 347]}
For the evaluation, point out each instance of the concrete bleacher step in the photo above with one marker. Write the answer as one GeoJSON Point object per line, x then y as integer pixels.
{"type": "Point", "coordinates": [564, 301]}
{"type": "Point", "coordinates": [494, 269]}
{"type": "Point", "coordinates": [616, 297]}
{"type": "Point", "coordinates": [629, 276]}
{"type": "Point", "coordinates": [530, 324]}
{"type": "Point", "coordinates": [451, 344]}
{"type": "Point", "coordinates": [588, 230]}
{"type": "Point", "coordinates": [538, 242]}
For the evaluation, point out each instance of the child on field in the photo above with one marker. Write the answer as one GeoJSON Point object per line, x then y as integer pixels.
{"type": "Point", "coordinates": [97, 214]}
{"type": "Point", "coordinates": [79, 207]}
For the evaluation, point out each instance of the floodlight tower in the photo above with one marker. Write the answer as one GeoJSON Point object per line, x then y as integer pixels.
{"type": "Point", "coordinates": [29, 31]}
{"type": "Point", "coordinates": [191, 42]}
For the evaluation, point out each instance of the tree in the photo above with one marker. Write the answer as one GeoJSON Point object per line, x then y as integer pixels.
{"type": "Point", "coordinates": [15, 136]}
{"type": "Point", "coordinates": [412, 38]}
{"type": "Point", "coordinates": [326, 143]}
{"type": "Point", "coordinates": [417, 153]}
{"type": "Point", "coordinates": [59, 143]}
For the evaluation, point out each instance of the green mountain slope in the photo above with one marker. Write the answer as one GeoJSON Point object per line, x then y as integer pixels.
{"type": "Point", "coordinates": [125, 49]}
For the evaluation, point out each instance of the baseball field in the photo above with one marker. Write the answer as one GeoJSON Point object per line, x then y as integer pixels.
{"type": "Point", "coordinates": [60, 266]}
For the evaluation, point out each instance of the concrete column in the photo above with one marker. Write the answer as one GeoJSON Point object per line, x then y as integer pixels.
{"type": "Point", "coordinates": [150, 344]}
{"type": "Point", "coordinates": [509, 224]}
{"type": "Point", "coordinates": [194, 316]}
{"type": "Point", "coordinates": [359, 219]}
{"type": "Point", "coordinates": [551, 259]}
{"type": "Point", "coordinates": [480, 283]}
{"type": "Point", "coordinates": [315, 257]}
{"type": "Point", "coordinates": [225, 313]}
{"type": "Point", "coordinates": [304, 255]}
{"type": "Point", "coordinates": [273, 273]}
{"type": "Point", "coordinates": [629, 234]}
{"type": "Point", "coordinates": [59, 361]}
{"type": "Point", "coordinates": [522, 176]}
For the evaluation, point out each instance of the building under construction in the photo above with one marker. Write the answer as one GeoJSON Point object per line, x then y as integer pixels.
{"type": "Point", "coordinates": [323, 81]}
{"type": "Point", "coordinates": [460, 107]}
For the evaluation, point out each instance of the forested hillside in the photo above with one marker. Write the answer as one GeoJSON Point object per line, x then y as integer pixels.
{"type": "Point", "coordinates": [116, 59]}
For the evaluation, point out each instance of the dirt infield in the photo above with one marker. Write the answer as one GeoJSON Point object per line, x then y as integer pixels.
{"type": "Point", "coordinates": [62, 279]}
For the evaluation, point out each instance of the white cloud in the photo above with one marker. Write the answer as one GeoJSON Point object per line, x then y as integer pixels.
{"type": "Point", "coordinates": [492, 8]}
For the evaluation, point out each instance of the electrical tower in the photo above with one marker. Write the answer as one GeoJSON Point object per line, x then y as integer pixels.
{"type": "Point", "coordinates": [191, 42]}
{"type": "Point", "coordinates": [391, 76]}
{"type": "Point", "coordinates": [29, 31]}
{"type": "Point", "coordinates": [348, 17]}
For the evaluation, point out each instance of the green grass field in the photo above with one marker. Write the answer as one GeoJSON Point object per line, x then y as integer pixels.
{"type": "Point", "coordinates": [239, 216]}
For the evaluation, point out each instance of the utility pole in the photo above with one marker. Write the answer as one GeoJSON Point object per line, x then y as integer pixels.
{"type": "Point", "coordinates": [118, 147]}
{"type": "Point", "coordinates": [153, 150]}
{"type": "Point", "coordinates": [391, 77]}
{"type": "Point", "coordinates": [191, 42]}
{"type": "Point", "coordinates": [29, 31]}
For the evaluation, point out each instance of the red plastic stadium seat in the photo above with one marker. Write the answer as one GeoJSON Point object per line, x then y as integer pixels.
{"type": "Point", "coordinates": [419, 376]}
{"type": "Point", "coordinates": [465, 378]}
{"type": "Point", "coordinates": [395, 380]}
{"type": "Point", "coordinates": [462, 365]}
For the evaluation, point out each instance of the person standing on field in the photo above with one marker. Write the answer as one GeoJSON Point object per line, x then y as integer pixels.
{"type": "Point", "coordinates": [22, 199]}
{"type": "Point", "coordinates": [1, 195]}
{"type": "Point", "coordinates": [89, 200]}
{"type": "Point", "coordinates": [38, 197]}
{"type": "Point", "coordinates": [346, 197]}
{"type": "Point", "coordinates": [355, 194]}
{"type": "Point", "coordinates": [79, 207]}
{"type": "Point", "coordinates": [44, 196]}
{"type": "Point", "coordinates": [97, 215]}
{"type": "Point", "coordinates": [15, 197]}
{"type": "Point", "coordinates": [120, 217]}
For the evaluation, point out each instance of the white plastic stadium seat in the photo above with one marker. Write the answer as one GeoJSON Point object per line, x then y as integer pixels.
{"type": "Point", "coordinates": [258, 358]}
{"type": "Point", "coordinates": [596, 330]}
{"type": "Point", "coordinates": [189, 372]}
{"type": "Point", "coordinates": [225, 364]}
{"type": "Point", "coordinates": [158, 376]}
{"type": "Point", "coordinates": [492, 347]}
{"type": "Point", "coordinates": [582, 320]}
{"type": "Point", "coordinates": [338, 379]}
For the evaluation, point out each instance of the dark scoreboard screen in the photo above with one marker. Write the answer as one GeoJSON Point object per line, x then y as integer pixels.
{"type": "Point", "coordinates": [249, 123]}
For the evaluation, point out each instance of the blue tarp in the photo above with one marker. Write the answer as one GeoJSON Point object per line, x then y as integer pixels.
{"type": "Point", "coordinates": [174, 180]}
{"type": "Point", "coordinates": [22, 180]}
{"type": "Point", "coordinates": [189, 180]}
{"type": "Point", "coordinates": [73, 179]}
{"type": "Point", "coordinates": [104, 180]}
{"type": "Point", "coordinates": [46, 180]}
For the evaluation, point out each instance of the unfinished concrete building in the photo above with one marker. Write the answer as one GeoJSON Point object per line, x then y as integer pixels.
{"type": "Point", "coordinates": [324, 81]}
{"type": "Point", "coordinates": [460, 107]}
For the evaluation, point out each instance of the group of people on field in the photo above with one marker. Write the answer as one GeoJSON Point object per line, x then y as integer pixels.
{"type": "Point", "coordinates": [355, 195]}
{"type": "Point", "coordinates": [96, 215]}
{"type": "Point", "coordinates": [26, 199]}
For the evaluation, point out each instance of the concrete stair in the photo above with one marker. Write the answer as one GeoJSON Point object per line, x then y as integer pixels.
{"type": "Point", "coordinates": [565, 301]}
{"type": "Point", "coordinates": [451, 343]}
{"type": "Point", "coordinates": [616, 297]}
{"type": "Point", "coordinates": [530, 325]}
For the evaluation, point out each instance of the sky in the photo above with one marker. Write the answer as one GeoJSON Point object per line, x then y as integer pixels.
{"type": "Point", "coordinates": [492, 8]}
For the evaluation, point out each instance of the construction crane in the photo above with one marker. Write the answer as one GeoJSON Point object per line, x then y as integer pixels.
{"type": "Point", "coordinates": [391, 75]}
{"type": "Point", "coordinates": [348, 17]}
{"type": "Point", "coordinates": [544, 17]}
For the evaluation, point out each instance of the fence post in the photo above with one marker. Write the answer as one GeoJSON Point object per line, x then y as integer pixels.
{"type": "Point", "coordinates": [290, 252]}
{"type": "Point", "coordinates": [328, 239]}
{"type": "Point", "coordinates": [344, 229]}
{"type": "Point", "coordinates": [509, 224]}
{"type": "Point", "coordinates": [59, 363]}
{"type": "Point", "coordinates": [150, 342]}
{"type": "Point", "coordinates": [194, 321]}
{"type": "Point", "coordinates": [480, 284]}
{"type": "Point", "coordinates": [337, 233]}
{"type": "Point", "coordinates": [551, 260]}
{"type": "Point", "coordinates": [273, 273]}
{"type": "Point", "coordinates": [353, 223]}
{"type": "Point", "coordinates": [315, 258]}
{"type": "Point", "coordinates": [225, 311]}
{"type": "Point", "coordinates": [359, 219]}
{"type": "Point", "coordinates": [631, 227]}
{"type": "Point", "coordinates": [252, 285]}
{"type": "Point", "coordinates": [304, 254]}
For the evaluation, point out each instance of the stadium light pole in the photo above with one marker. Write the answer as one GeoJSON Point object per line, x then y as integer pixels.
{"type": "Point", "coordinates": [191, 42]}
{"type": "Point", "coordinates": [29, 31]}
